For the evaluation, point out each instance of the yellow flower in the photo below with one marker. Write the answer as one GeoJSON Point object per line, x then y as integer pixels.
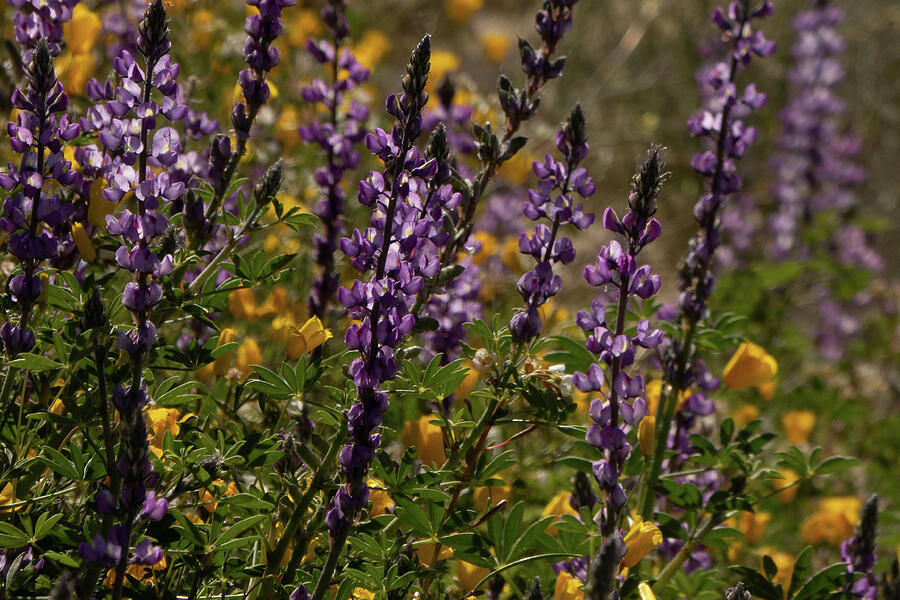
{"type": "Point", "coordinates": [81, 32]}
{"type": "Point", "coordinates": [162, 420]}
{"type": "Point", "coordinates": [518, 169]}
{"type": "Point", "coordinates": [301, 341]}
{"type": "Point", "coordinates": [98, 208]}
{"type": "Point", "coordinates": [302, 25]}
{"type": "Point", "coordinates": [558, 506]}
{"type": "Point", "coordinates": [487, 495]}
{"type": "Point", "coordinates": [143, 573]}
{"type": "Point", "coordinates": [425, 553]}
{"type": "Point", "coordinates": [223, 363]}
{"type": "Point", "coordinates": [468, 575]}
{"type": "Point", "coordinates": [242, 304]}
{"type": "Point", "coordinates": [203, 27]}
{"type": "Point", "coordinates": [567, 587]}
{"type": "Point", "coordinates": [643, 537]}
{"type": "Point", "coordinates": [362, 594]}
{"type": "Point", "coordinates": [379, 498]}
{"type": "Point", "coordinates": [45, 288]}
{"type": "Point", "coordinates": [83, 243]}
{"type": "Point", "coordinates": [427, 438]}
{"type": "Point", "coordinates": [647, 435]}
{"type": "Point", "coordinates": [7, 497]}
{"type": "Point", "coordinates": [488, 247]}
{"type": "Point", "coordinates": [495, 45]}
{"type": "Point", "coordinates": [753, 525]}
{"type": "Point", "coordinates": [460, 11]}
{"type": "Point", "coordinates": [798, 424]}
{"type": "Point", "coordinates": [371, 48]}
{"type": "Point", "coordinates": [653, 389]}
{"type": "Point", "coordinates": [511, 256]}
{"type": "Point", "coordinates": [248, 354]}
{"type": "Point", "coordinates": [74, 70]}
{"type": "Point", "coordinates": [468, 384]}
{"type": "Point", "coordinates": [442, 62]}
{"type": "Point", "coordinates": [751, 366]}
{"type": "Point", "coordinates": [645, 592]}
{"type": "Point", "coordinates": [552, 315]}
{"type": "Point", "coordinates": [785, 563]}
{"type": "Point", "coordinates": [833, 521]}
{"type": "Point", "coordinates": [744, 415]}
{"type": "Point", "coordinates": [287, 125]}
{"type": "Point", "coordinates": [208, 499]}
{"type": "Point", "coordinates": [786, 496]}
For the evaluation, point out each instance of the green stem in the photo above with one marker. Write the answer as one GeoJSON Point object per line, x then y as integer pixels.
{"type": "Point", "coordinates": [298, 518]}
{"type": "Point", "coordinates": [330, 563]}
{"type": "Point", "coordinates": [675, 564]}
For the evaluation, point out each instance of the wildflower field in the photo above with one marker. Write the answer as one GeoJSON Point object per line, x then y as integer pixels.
{"type": "Point", "coordinates": [449, 299]}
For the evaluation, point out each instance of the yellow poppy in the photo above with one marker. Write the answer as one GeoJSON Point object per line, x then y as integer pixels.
{"type": "Point", "coordinates": [750, 366]}
{"type": "Point", "coordinates": [833, 520]}
{"type": "Point", "coordinates": [798, 424]}
{"type": "Point", "coordinates": [223, 363]}
{"type": "Point", "coordinates": [460, 11]}
{"type": "Point", "coordinates": [427, 438]}
{"type": "Point", "coordinates": [643, 537]}
{"type": "Point", "coordinates": [248, 354]}
{"type": "Point", "coordinates": [305, 339]}
{"type": "Point", "coordinates": [82, 30]}
{"type": "Point", "coordinates": [495, 45]}
{"type": "Point", "coordinates": [468, 575]}
{"type": "Point", "coordinates": [488, 495]}
{"type": "Point", "coordinates": [567, 587]}
{"type": "Point", "coordinates": [379, 498]}
{"type": "Point", "coordinates": [786, 495]}
{"type": "Point", "coordinates": [645, 592]}
{"type": "Point", "coordinates": [7, 497]}
{"type": "Point", "coordinates": [83, 243]}
{"type": "Point", "coordinates": [647, 435]}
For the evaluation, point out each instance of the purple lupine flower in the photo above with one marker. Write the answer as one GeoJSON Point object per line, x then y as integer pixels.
{"type": "Point", "coordinates": [553, 200]}
{"type": "Point", "coordinates": [261, 56]}
{"type": "Point", "coordinates": [338, 137]}
{"type": "Point", "coordinates": [816, 164]}
{"type": "Point", "coordinates": [720, 122]}
{"type": "Point", "coordinates": [616, 270]}
{"type": "Point", "coordinates": [32, 214]}
{"type": "Point", "coordinates": [37, 20]}
{"type": "Point", "coordinates": [133, 141]}
{"type": "Point", "coordinates": [859, 552]}
{"type": "Point", "coordinates": [401, 248]}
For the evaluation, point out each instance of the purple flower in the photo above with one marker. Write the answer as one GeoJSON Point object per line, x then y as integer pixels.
{"type": "Point", "coordinates": [337, 137]}
{"type": "Point", "coordinates": [616, 268]}
{"type": "Point", "coordinates": [559, 182]}
{"type": "Point", "coordinates": [30, 216]}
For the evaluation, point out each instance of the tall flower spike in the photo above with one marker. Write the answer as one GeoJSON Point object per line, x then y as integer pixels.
{"type": "Point", "coordinates": [40, 20]}
{"type": "Point", "coordinates": [38, 207]}
{"type": "Point", "coordinates": [337, 136]}
{"type": "Point", "coordinates": [816, 168]}
{"type": "Point", "coordinates": [616, 269]}
{"type": "Point", "coordinates": [144, 253]}
{"type": "Point", "coordinates": [555, 201]}
{"type": "Point", "coordinates": [859, 552]}
{"type": "Point", "coordinates": [400, 248]}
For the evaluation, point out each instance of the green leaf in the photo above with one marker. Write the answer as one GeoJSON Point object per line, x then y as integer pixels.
{"type": "Point", "coordinates": [11, 536]}
{"type": "Point", "coordinates": [759, 586]}
{"type": "Point", "coordinates": [413, 515]}
{"type": "Point", "coordinates": [238, 528]}
{"type": "Point", "coordinates": [45, 524]}
{"type": "Point", "coordinates": [34, 362]}
{"type": "Point", "coordinates": [835, 464]}
{"type": "Point", "coordinates": [58, 463]}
